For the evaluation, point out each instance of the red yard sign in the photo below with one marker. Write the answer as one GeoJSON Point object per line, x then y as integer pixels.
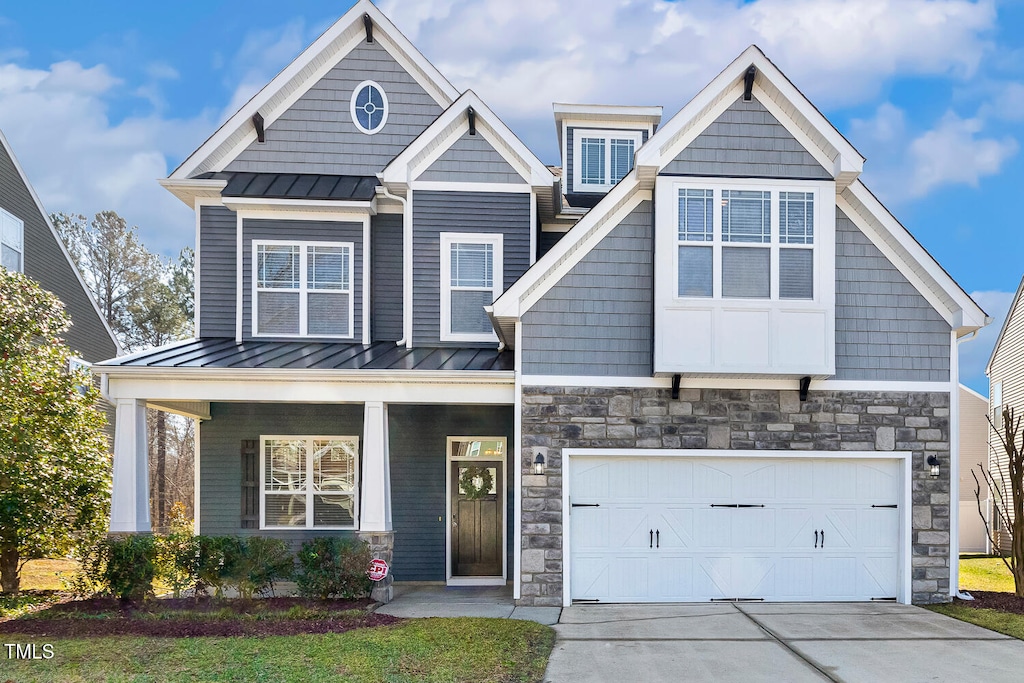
{"type": "Point", "coordinates": [378, 570]}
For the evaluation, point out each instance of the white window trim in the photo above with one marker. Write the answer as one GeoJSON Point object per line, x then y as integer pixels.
{"type": "Point", "coordinates": [303, 289]}
{"type": "Point", "coordinates": [774, 244]}
{"type": "Point", "coordinates": [607, 135]}
{"type": "Point", "coordinates": [352, 108]}
{"type": "Point", "coordinates": [20, 248]}
{"type": "Point", "coordinates": [309, 492]}
{"type": "Point", "coordinates": [447, 240]}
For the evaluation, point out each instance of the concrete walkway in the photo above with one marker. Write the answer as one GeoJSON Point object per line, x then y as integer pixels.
{"type": "Point", "coordinates": [791, 643]}
{"type": "Point", "coordinates": [463, 601]}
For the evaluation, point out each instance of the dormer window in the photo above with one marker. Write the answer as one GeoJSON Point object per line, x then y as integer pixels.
{"type": "Point", "coordinates": [603, 158]}
{"type": "Point", "coordinates": [369, 107]}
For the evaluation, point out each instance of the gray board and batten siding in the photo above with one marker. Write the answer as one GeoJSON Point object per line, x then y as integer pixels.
{"type": "Point", "coordinates": [747, 141]}
{"type": "Point", "coordinates": [507, 213]}
{"type": "Point", "coordinates": [598, 319]}
{"type": "Point", "coordinates": [885, 329]}
{"type": "Point", "coordinates": [471, 159]}
{"type": "Point", "coordinates": [386, 261]}
{"type": "Point", "coordinates": [570, 162]}
{"type": "Point", "coordinates": [313, 231]}
{"type": "Point", "coordinates": [418, 439]}
{"type": "Point", "coordinates": [317, 134]}
{"type": "Point", "coordinates": [220, 459]}
{"type": "Point", "coordinates": [217, 256]}
{"type": "Point", "coordinates": [44, 261]}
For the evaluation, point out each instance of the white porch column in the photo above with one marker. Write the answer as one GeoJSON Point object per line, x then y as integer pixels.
{"type": "Point", "coordinates": [129, 503]}
{"type": "Point", "coordinates": [375, 498]}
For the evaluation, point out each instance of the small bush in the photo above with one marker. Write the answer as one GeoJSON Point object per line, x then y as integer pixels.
{"type": "Point", "coordinates": [334, 567]}
{"type": "Point", "coordinates": [216, 563]}
{"type": "Point", "coordinates": [178, 554]}
{"type": "Point", "coordinates": [260, 563]}
{"type": "Point", "coordinates": [124, 566]}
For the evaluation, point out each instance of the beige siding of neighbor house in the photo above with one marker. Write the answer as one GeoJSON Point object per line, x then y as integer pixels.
{"type": "Point", "coordinates": [973, 456]}
{"type": "Point", "coordinates": [1006, 367]}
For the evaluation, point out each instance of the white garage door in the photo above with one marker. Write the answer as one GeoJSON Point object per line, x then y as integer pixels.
{"type": "Point", "coordinates": [663, 529]}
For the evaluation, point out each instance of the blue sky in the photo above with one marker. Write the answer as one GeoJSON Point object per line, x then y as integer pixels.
{"type": "Point", "coordinates": [100, 99]}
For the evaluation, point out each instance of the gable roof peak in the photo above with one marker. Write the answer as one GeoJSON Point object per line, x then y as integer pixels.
{"type": "Point", "coordinates": [303, 72]}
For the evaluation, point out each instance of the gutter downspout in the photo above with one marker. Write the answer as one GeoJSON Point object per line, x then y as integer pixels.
{"type": "Point", "coordinates": [406, 339]}
{"type": "Point", "coordinates": [954, 481]}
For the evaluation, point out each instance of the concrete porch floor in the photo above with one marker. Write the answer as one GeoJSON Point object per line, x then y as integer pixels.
{"type": "Point", "coordinates": [435, 600]}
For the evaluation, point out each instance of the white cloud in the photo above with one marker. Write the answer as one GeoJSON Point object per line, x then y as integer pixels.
{"type": "Point", "coordinates": [953, 152]}
{"type": "Point", "coordinates": [974, 354]}
{"type": "Point", "coordinates": [78, 160]}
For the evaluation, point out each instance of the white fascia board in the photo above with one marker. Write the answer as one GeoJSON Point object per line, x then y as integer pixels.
{"type": "Point", "coordinates": [569, 250]}
{"type": "Point", "coordinates": [449, 127]}
{"type": "Point", "coordinates": [971, 316]}
{"type": "Point", "coordinates": [308, 68]}
{"type": "Point", "coordinates": [60, 243]}
{"type": "Point", "coordinates": [672, 137]}
{"type": "Point", "coordinates": [725, 382]}
{"type": "Point", "coordinates": [334, 207]}
{"type": "Point", "coordinates": [189, 190]}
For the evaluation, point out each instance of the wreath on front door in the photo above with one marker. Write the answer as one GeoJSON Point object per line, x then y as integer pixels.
{"type": "Point", "coordinates": [475, 482]}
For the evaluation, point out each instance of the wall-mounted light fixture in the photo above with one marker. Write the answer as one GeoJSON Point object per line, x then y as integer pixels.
{"type": "Point", "coordinates": [933, 464]}
{"type": "Point", "coordinates": [538, 464]}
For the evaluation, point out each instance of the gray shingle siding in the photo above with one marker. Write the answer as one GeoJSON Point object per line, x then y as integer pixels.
{"type": "Point", "coordinates": [386, 277]}
{"type": "Point", "coordinates": [471, 159]}
{"type": "Point", "coordinates": [314, 231]}
{"type": "Point", "coordinates": [317, 135]}
{"type": "Point", "coordinates": [598, 319]}
{"type": "Point", "coordinates": [417, 451]}
{"type": "Point", "coordinates": [44, 262]}
{"type": "Point", "coordinates": [747, 141]}
{"type": "Point", "coordinates": [507, 213]}
{"type": "Point", "coordinates": [218, 249]}
{"type": "Point", "coordinates": [220, 462]}
{"type": "Point", "coordinates": [570, 162]}
{"type": "Point", "coordinates": [885, 329]}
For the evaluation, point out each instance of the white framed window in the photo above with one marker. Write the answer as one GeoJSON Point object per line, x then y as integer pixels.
{"type": "Point", "coordinates": [736, 242]}
{"type": "Point", "coordinates": [309, 482]}
{"type": "Point", "coordinates": [602, 157]}
{"type": "Point", "coordinates": [471, 278]}
{"type": "Point", "coordinates": [12, 242]}
{"type": "Point", "coordinates": [369, 107]}
{"type": "Point", "coordinates": [302, 289]}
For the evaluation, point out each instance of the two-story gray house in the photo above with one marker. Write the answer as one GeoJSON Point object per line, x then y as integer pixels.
{"type": "Point", "coordinates": [699, 360]}
{"type": "Point", "coordinates": [29, 244]}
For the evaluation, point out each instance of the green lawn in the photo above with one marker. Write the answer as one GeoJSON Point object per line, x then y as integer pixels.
{"type": "Point", "coordinates": [984, 573]}
{"type": "Point", "coordinates": [448, 650]}
{"type": "Point", "coordinates": [994, 620]}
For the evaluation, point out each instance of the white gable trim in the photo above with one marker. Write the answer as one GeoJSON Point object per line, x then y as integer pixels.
{"type": "Point", "coordinates": [778, 95]}
{"type": "Point", "coordinates": [911, 259]}
{"type": "Point", "coordinates": [60, 242]}
{"type": "Point", "coordinates": [1017, 298]}
{"type": "Point", "coordinates": [307, 69]}
{"type": "Point", "coordinates": [440, 135]}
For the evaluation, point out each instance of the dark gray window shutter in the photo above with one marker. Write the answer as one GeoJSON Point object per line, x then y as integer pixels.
{"type": "Point", "coordinates": [250, 484]}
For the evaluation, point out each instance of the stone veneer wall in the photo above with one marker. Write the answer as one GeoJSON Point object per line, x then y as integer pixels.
{"type": "Point", "coordinates": [745, 419]}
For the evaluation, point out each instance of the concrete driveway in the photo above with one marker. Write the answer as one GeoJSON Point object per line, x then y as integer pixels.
{"type": "Point", "coordinates": [777, 643]}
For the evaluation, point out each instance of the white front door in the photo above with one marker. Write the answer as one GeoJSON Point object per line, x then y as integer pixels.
{"type": "Point", "coordinates": [662, 529]}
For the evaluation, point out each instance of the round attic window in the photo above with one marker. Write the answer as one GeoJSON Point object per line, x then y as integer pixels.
{"type": "Point", "coordinates": [369, 107]}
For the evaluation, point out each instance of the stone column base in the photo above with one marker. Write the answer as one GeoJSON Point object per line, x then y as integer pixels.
{"type": "Point", "coordinates": [382, 546]}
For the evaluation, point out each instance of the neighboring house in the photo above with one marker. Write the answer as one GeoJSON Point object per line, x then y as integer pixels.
{"type": "Point", "coordinates": [974, 432]}
{"type": "Point", "coordinates": [1005, 372]}
{"type": "Point", "coordinates": [715, 366]}
{"type": "Point", "coordinates": [29, 244]}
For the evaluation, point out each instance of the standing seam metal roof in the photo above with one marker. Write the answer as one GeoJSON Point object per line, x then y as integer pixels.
{"type": "Point", "coordinates": [295, 185]}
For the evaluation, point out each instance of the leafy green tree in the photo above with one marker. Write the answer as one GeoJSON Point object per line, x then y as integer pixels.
{"type": "Point", "coordinates": [54, 463]}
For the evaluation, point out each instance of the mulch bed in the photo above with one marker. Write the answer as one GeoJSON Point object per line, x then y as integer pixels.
{"type": "Point", "coordinates": [157, 618]}
{"type": "Point", "coordinates": [1004, 602]}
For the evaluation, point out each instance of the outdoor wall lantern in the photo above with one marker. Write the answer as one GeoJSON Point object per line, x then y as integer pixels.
{"type": "Point", "coordinates": [538, 464]}
{"type": "Point", "coordinates": [933, 463]}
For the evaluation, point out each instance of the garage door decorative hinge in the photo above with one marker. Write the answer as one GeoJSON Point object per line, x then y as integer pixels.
{"type": "Point", "coordinates": [737, 599]}
{"type": "Point", "coordinates": [735, 505]}
{"type": "Point", "coordinates": [885, 506]}
{"type": "Point", "coordinates": [586, 505]}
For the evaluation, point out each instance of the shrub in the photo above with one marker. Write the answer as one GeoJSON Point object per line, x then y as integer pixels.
{"type": "Point", "coordinates": [334, 567]}
{"type": "Point", "coordinates": [124, 566]}
{"type": "Point", "coordinates": [217, 559]}
{"type": "Point", "coordinates": [178, 563]}
{"type": "Point", "coordinates": [260, 562]}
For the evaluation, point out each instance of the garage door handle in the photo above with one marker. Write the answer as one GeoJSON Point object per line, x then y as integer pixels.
{"type": "Point", "coordinates": [822, 538]}
{"type": "Point", "coordinates": [652, 539]}
{"type": "Point", "coordinates": [657, 537]}
{"type": "Point", "coordinates": [815, 538]}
